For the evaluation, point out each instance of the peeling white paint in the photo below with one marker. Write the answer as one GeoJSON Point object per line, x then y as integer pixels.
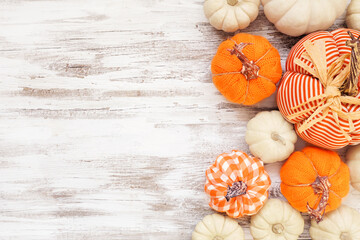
{"type": "Point", "coordinates": [109, 118]}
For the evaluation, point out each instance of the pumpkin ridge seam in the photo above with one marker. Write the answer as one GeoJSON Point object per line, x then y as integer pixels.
{"type": "Point", "coordinates": [287, 10]}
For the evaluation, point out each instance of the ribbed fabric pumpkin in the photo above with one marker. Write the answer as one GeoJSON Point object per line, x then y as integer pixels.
{"type": "Point", "coordinates": [319, 91]}
{"type": "Point", "coordinates": [315, 180]}
{"type": "Point", "coordinates": [246, 68]}
{"type": "Point", "coordinates": [237, 184]}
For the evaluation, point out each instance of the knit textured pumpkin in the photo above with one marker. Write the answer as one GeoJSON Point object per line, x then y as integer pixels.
{"type": "Point", "coordinates": [237, 184]}
{"type": "Point", "coordinates": [319, 91]}
{"type": "Point", "coordinates": [315, 180]}
{"type": "Point", "coordinates": [246, 68]}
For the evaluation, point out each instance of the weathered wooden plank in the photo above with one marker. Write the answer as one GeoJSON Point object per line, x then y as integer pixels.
{"type": "Point", "coordinates": [109, 118]}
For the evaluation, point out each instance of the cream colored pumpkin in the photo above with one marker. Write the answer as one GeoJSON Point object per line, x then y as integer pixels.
{"type": "Point", "coordinates": [231, 15]}
{"type": "Point", "coordinates": [218, 227]}
{"type": "Point", "coordinates": [297, 17]}
{"type": "Point", "coordinates": [353, 162]}
{"type": "Point", "coordinates": [353, 15]}
{"type": "Point", "coordinates": [340, 224]}
{"type": "Point", "coordinates": [277, 220]}
{"type": "Point", "coordinates": [270, 137]}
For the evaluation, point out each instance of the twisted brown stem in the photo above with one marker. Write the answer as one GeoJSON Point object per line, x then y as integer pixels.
{"type": "Point", "coordinates": [249, 69]}
{"type": "Point", "coordinates": [237, 189]}
{"type": "Point", "coordinates": [350, 85]}
{"type": "Point", "coordinates": [321, 186]}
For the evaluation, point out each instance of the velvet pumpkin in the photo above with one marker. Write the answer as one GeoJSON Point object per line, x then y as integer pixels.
{"type": "Point", "coordinates": [298, 17]}
{"type": "Point", "coordinates": [237, 184]}
{"type": "Point", "coordinates": [341, 224]}
{"type": "Point", "coordinates": [315, 180]}
{"type": "Point", "coordinates": [246, 68]}
{"type": "Point", "coordinates": [319, 90]}
{"type": "Point", "coordinates": [218, 227]}
{"type": "Point", "coordinates": [231, 15]}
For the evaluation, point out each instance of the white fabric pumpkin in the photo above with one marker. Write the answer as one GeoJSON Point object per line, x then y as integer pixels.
{"type": "Point", "coordinates": [217, 227]}
{"type": "Point", "coordinates": [270, 137]}
{"type": "Point", "coordinates": [340, 224]}
{"type": "Point", "coordinates": [231, 15]}
{"type": "Point", "coordinates": [353, 162]}
{"type": "Point", "coordinates": [297, 17]}
{"type": "Point", "coordinates": [277, 220]}
{"type": "Point", "coordinates": [353, 15]}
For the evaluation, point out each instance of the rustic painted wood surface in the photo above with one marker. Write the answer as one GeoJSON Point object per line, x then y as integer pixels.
{"type": "Point", "coordinates": [109, 118]}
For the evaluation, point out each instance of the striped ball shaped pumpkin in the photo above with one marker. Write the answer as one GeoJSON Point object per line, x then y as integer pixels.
{"type": "Point", "coordinates": [319, 90]}
{"type": "Point", "coordinates": [237, 184]}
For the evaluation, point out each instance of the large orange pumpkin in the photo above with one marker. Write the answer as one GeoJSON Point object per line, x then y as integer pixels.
{"type": "Point", "coordinates": [246, 68]}
{"type": "Point", "coordinates": [315, 180]}
{"type": "Point", "coordinates": [237, 184]}
{"type": "Point", "coordinates": [319, 91]}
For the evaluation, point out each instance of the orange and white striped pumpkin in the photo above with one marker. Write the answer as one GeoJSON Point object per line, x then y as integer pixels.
{"type": "Point", "coordinates": [237, 184]}
{"type": "Point", "coordinates": [298, 87]}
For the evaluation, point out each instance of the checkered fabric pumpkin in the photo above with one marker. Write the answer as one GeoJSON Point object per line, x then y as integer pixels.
{"type": "Point", "coordinates": [237, 184]}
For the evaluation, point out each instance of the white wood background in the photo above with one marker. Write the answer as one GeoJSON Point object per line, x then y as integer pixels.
{"type": "Point", "coordinates": [109, 118]}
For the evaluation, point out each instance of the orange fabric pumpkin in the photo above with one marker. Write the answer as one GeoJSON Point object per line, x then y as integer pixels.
{"type": "Point", "coordinates": [246, 68]}
{"type": "Point", "coordinates": [237, 184]}
{"type": "Point", "coordinates": [315, 180]}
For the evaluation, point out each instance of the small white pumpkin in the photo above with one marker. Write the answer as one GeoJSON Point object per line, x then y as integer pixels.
{"type": "Point", "coordinates": [270, 137]}
{"type": "Point", "coordinates": [340, 224]}
{"type": "Point", "coordinates": [218, 227]}
{"type": "Point", "coordinates": [277, 220]}
{"type": "Point", "coordinates": [353, 15]}
{"type": "Point", "coordinates": [297, 17]}
{"type": "Point", "coordinates": [231, 15]}
{"type": "Point", "coordinates": [353, 162]}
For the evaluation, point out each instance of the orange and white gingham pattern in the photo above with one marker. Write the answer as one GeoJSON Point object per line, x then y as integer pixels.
{"type": "Point", "coordinates": [234, 167]}
{"type": "Point", "coordinates": [297, 86]}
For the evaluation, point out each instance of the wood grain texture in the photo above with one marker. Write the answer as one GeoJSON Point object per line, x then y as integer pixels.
{"type": "Point", "coordinates": [109, 118]}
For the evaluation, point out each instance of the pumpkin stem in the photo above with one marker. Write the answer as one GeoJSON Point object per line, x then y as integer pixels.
{"type": "Point", "coordinates": [237, 189]}
{"type": "Point", "coordinates": [321, 186]}
{"type": "Point", "coordinates": [249, 69]}
{"type": "Point", "coordinates": [276, 137]}
{"type": "Point", "coordinates": [218, 238]}
{"type": "Point", "coordinates": [278, 228]}
{"type": "Point", "coordinates": [345, 236]}
{"type": "Point", "coordinates": [350, 85]}
{"type": "Point", "coordinates": [232, 2]}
